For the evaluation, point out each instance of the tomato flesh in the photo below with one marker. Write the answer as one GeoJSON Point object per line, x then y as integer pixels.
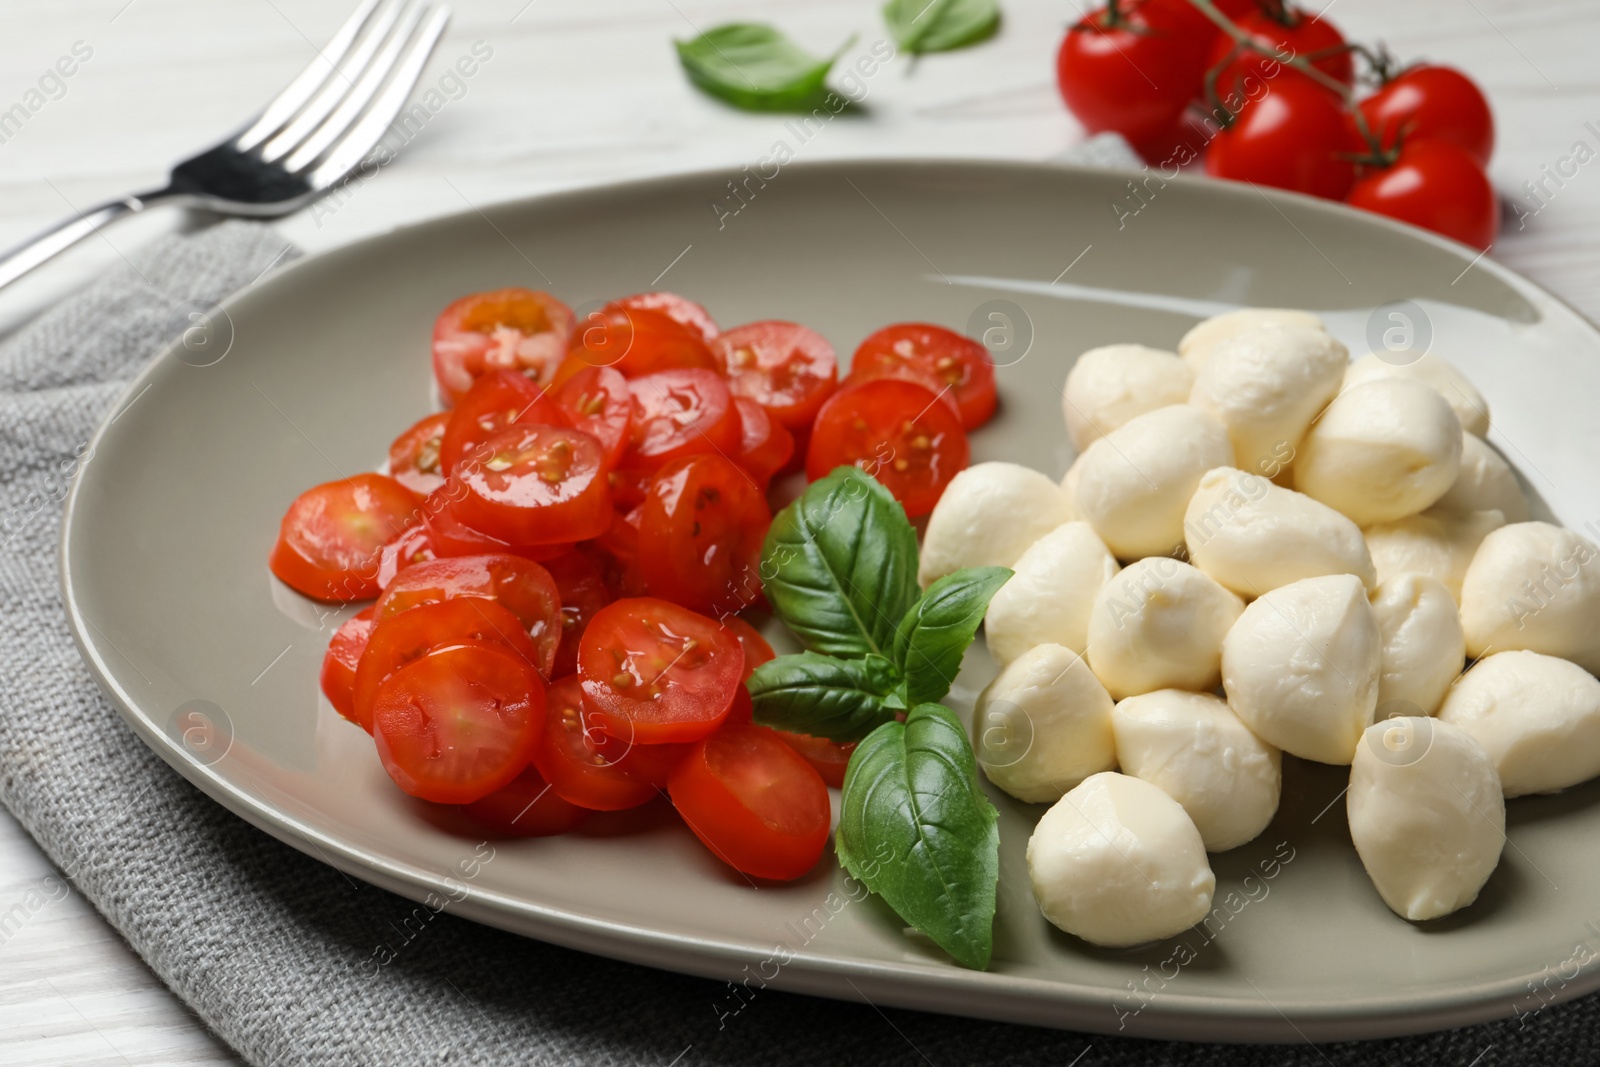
{"type": "Point", "coordinates": [680, 413]}
{"type": "Point", "coordinates": [526, 807]}
{"type": "Point", "coordinates": [948, 363]}
{"type": "Point", "coordinates": [828, 758]}
{"type": "Point", "coordinates": [331, 536]}
{"type": "Point", "coordinates": [765, 445]}
{"type": "Point", "coordinates": [521, 586]}
{"type": "Point", "coordinates": [414, 455]}
{"type": "Point", "coordinates": [581, 580]}
{"type": "Point", "coordinates": [535, 485]}
{"type": "Point", "coordinates": [507, 329]}
{"type": "Point", "coordinates": [407, 549]}
{"type": "Point", "coordinates": [636, 341]}
{"type": "Point", "coordinates": [897, 431]}
{"type": "Point", "coordinates": [784, 367]}
{"type": "Point", "coordinates": [700, 535]}
{"type": "Point", "coordinates": [680, 309]}
{"type": "Point", "coordinates": [339, 664]}
{"type": "Point", "coordinates": [570, 758]}
{"type": "Point", "coordinates": [596, 400]}
{"type": "Point", "coordinates": [496, 401]}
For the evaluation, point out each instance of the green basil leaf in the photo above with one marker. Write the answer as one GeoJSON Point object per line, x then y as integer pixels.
{"type": "Point", "coordinates": [939, 25]}
{"type": "Point", "coordinates": [840, 565]}
{"type": "Point", "coordinates": [840, 699]}
{"type": "Point", "coordinates": [937, 629]}
{"type": "Point", "coordinates": [755, 67]}
{"type": "Point", "coordinates": [915, 827]}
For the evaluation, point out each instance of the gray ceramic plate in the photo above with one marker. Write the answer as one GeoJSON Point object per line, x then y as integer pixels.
{"type": "Point", "coordinates": [169, 525]}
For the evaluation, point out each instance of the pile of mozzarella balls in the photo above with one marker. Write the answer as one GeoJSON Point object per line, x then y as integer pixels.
{"type": "Point", "coordinates": [1261, 548]}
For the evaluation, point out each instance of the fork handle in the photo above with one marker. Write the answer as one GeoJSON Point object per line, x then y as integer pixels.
{"type": "Point", "coordinates": [18, 261]}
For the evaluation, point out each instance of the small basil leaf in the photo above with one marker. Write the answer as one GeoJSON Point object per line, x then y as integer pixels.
{"type": "Point", "coordinates": [755, 67]}
{"type": "Point", "coordinates": [939, 25]}
{"type": "Point", "coordinates": [840, 565]}
{"type": "Point", "coordinates": [915, 827]}
{"type": "Point", "coordinates": [937, 629]}
{"type": "Point", "coordinates": [840, 699]}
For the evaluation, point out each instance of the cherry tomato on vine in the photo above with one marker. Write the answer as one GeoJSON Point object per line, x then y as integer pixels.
{"type": "Point", "coordinates": [784, 367]}
{"type": "Point", "coordinates": [700, 535]}
{"type": "Point", "coordinates": [954, 366]}
{"type": "Point", "coordinates": [1435, 104]}
{"type": "Point", "coordinates": [1285, 31]}
{"type": "Point", "coordinates": [1435, 185]}
{"type": "Point", "coordinates": [341, 660]}
{"type": "Point", "coordinates": [534, 485]}
{"type": "Point", "coordinates": [496, 401]}
{"type": "Point", "coordinates": [414, 455]}
{"type": "Point", "coordinates": [571, 760]}
{"type": "Point", "coordinates": [508, 329]}
{"type": "Point", "coordinates": [330, 538]}
{"type": "Point", "coordinates": [1295, 137]}
{"type": "Point", "coordinates": [899, 432]}
{"type": "Point", "coordinates": [526, 807]}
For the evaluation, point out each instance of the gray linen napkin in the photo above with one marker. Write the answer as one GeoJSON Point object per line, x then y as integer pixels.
{"type": "Point", "coordinates": [273, 949]}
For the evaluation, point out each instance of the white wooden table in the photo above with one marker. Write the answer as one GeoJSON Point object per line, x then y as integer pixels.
{"type": "Point", "coordinates": [577, 92]}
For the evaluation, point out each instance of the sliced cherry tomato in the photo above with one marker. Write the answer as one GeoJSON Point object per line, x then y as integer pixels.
{"type": "Point", "coordinates": [535, 485]}
{"type": "Point", "coordinates": [766, 444]}
{"type": "Point", "coordinates": [756, 649]}
{"type": "Point", "coordinates": [581, 580]}
{"type": "Point", "coordinates": [407, 549]}
{"type": "Point", "coordinates": [596, 400]}
{"type": "Point", "coordinates": [651, 764]}
{"type": "Point", "coordinates": [340, 662]}
{"type": "Point", "coordinates": [897, 431]}
{"type": "Point", "coordinates": [629, 486]}
{"type": "Point", "coordinates": [521, 586]}
{"type": "Point", "coordinates": [754, 801]}
{"type": "Point", "coordinates": [784, 367]}
{"type": "Point", "coordinates": [526, 807]}
{"type": "Point", "coordinates": [496, 401]}
{"type": "Point", "coordinates": [1435, 104]}
{"type": "Point", "coordinates": [744, 709]}
{"type": "Point", "coordinates": [1285, 31]}
{"type": "Point", "coordinates": [459, 723]}
{"type": "Point", "coordinates": [620, 545]}
{"type": "Point", "coordinates": [681, 413]}
{"type": "Point", "coordinates": [449, 536]}
{"type": "Point", "coordinates": [570, 759]}
{"type": "Point", "coordinates": [679, 309]}
{"type": "Point", "coordinates": [414, 456]}
{"type": "Point", "coordinates": [829, 758]}
{"type": "Point", "coordinates": [1438, 186]}
{"type": "Point", "coordinates": [952, 365]}
{"type": "Point", "coordinates": [331, 536]}
{"type": "Point", "coordinates": [636, 341]}
{"type": "Point", "coordinates": [507, 329]}
{"type": "Point", "coordinates": [654, 672]}
{"type": "Point", "coordinates": [700, 535]}
{"type": "Point", "coordinates": [1295, 137]}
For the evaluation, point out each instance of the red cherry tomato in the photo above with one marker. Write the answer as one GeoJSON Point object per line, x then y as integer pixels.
{"type": "Point", "coordinates": [680, 413]}
{"type": "Point", "coordinates": [496, 401]}
{"type": "Point", "coordinates": [830, 759]}
{"type": "Point", "coordinates": [700, 535]}
{"type": "Point", "coordinates": [954, 366]}
{"type": "Point", "coordinates": [766, 445]}
{"type": "Point", "coordinates": [507, 329]}
{"type": "Point", "coordinates": [449, 536]}
{"type": "Point", "coordinates": [535, 485]}
{"type": "Point", "coordinates": [677, 308]}
{"type": "Point", "coordinates": [459, 723]}
{"type": "Point", "coordinates": [1290, 33]}
{"type": "Point", "coordinates": [620, 545]}
{"type": "Point", "coordinates": [331, 536]}
{"type": "Point", "coordinates": [596, 400]}
{"type": "Point", "coordinates": [754, 801]}
{"type": "Point", "coordinates": [414, 456]}
{"type": "Point", "coordinates": [634, 341]}
{"type": "Point", "coordinates": [1435, 104]}
{"type": "Point", "coordinates": [407, 549]}
{"type": "Point", "coordinates": [526, 807]}
{"type": "Point", "coordinates": [570, 759]}
{"type": "Point", "coordinates": [784, 367]}
{"type": "Point", "coordinates": [897, 431]}
{"type": "Point", "coordinates": [651, 764]}
{"type": "Point", "coordinates": [343, 655]}
{"type": "Point", "coordinates": [1435, 185]}
{"type": "Point", "coordinates": [1295, 137]}
{"type": "Point", "coordinates": [581, 580]}
{"type": "Point", "coordinates": [756, 649]}
{"type": "Point", "coordinates": [654, 672]}
{"type": "Point", "coordinates": [629, 486]}
{"type": "Point", "coordinates": [521, 586]}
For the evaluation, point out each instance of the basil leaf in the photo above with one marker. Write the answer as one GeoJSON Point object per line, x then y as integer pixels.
{"type": "Point", "coordinates": [840, 699]}
{"type": "Point", "coordinates": [939, 25]}
{"type": "Point", "coordinates": [915, 827]}
{"type": "Point", "coordinates": [755, 67]}
{"type": "Point", "coordinates": [935, 633]}
{"type": "Point", "coordinates": [840, 565]}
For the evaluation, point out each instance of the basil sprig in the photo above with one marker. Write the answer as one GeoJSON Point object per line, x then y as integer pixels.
{"type": "Point", "coordinates": [921, 26]}
{"type": "Point", "coordinates": [756, 67]}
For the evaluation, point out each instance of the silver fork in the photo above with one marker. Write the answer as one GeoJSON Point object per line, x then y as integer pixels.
{"type": "Point", "coordinates": [307, 141]}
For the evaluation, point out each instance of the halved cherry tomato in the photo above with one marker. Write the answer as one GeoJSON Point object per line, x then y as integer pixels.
{"type": "Point", "coordinates": [679, 309]}
{"type": "Point", "coordinates": [506, 329]}
{"type": "Point", "coordinates": [897, 431]}
{"type": "Point", "coordinates": [654, 672]}
{"type": "Point", "coordinates": [954, 366]}
{"type": "Point", "coordinates": [754, 801]}
{"type": "Point", "coordinates": [526, 807]}
{"type": "Point", "coordinates": [459, 723]}
{"type": "Point", "coordinates": [784, 367]}
{"type": "Point", "coordinates": [681, 413]}
{"type": "Point", "coordinates": [449, 536]}
{"type": "Point", "coordinates": [330, 538]}
{"type": "Point", "coordinates": [629, 486]}
{"type": "Point", "coordinates": [1435, 104]}
{"type": "Point", "coordinates": [570, 759]}
{"type": "Point", "coordinates": [581, 580]}
{"type": "Point", "coordinates": [828, 758]}
{"type": "Point", "coordinates": [521, 586]}
{"type": "Point", "coordinates": [636, 341]}
{"type": "Point", "coordinates": [407, 549]}
{"type": "Point", "coordinates": [620, 545]}
{"type": "Point", "coordinates": [700, 535]}
{"type": "Point", "coordinates": [1436, 185]}
{"type": "Point", "coordinates": [1295, 137]}
{"type": "Point", "coordinates": [414, 456]}
{"type": "Point", "coordinates": [756, 649]}
{"type": "Point", "coordinates": [535, 485]}
{"type": "Point", "coordinates": [766, 444]}
{"type": "Point", "coordinates": [496, 401]}
{"type": "Point", "coordinates": [651, 764]}
{"type": "Point", "coordinates": [340, 662]}
{"type": "Point", "coordinates": [596, 400]}
{"type": "Point", "coordinates": [1288, 32]}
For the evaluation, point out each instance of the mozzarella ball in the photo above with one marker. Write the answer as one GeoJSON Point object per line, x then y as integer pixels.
{"type": "Point", "coordinates": [1426, 815]}
{"type": "Point", "coordinates": [1202, 755]}
{"type": "Point", "coordinates": [1117, 863]}
{"type": "Point", "coordinates": [1159, 625]}
{"type": "Point", "coordinates": [1537, 716]}
{"type": "Point", "coordinates": [1301, 666]}
{"type": "Point", "coordinates": [988, 516]}
{"type": "Point", "coordinates": [1043, 725]}
{"type": "Point", "coordinates": [1266, 386]}
{"type": "Point", "coordinates": [1069, 488]}
{"type": "Point", "coordinates": [1437, 374]}
{"type": "Point", "coordinates": [1436, 543]}
{"type": "Point", "coordinates": [1423, 645]}
{"type": "Point", "coordinates": [1253, 536]}
{"type": "Point", "coordinates": [1137, 480]}
{"type": "Point", "coordinates": [1110, 385]}
{"type": "Point", "coordinates": [1381, 451]}
{"type": "Point", "coordinates": [1048, 599]}
{"type": "Point", "coordinates": [1534, 586]}
{"type": "Point", "coordinates": [1486, 483]}
{"type": "Point", "coordinates": [1196, 346]}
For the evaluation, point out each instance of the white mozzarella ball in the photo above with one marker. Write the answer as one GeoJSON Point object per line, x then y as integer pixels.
{"type": "Point", "coordinates": [1423, 644]}
{"type": "Point", "coordinates": [1253, 536]}
{"type": "Point", "coordinates": [988, 516]}
{"type": "Point", "coordinates": [1534, 586]}
{"type": "Point", "coordinates": [1426, 815]}
{"type": "Point", "coordinates": [1110, 385]}
{"type": "Point", "coordinates": [1069, 488]}
{"type": "Point", "coordinates": [1436, 543]}
{"type": "Point", "coordinates": [1048, 599]}
{"type": "Point", "coordinates": [1266, 386]}
{"type": "Point", "coordinates": [1537, 716]}
{"type": "Point", "coordinates": [1486, 483]}
{"type": "Point", "coordinates": [1437, 374]}
{"type": "Point", "coordinates": [1301, 666]}
{"type": "Point", "coordinates": [1196, 346]}
{"type": "Point", "coordinates": [1159, 624]}
{"type": "Point", "coordinates": [1043, 725]}
{"type": "Point", "coordinates": [1117, 862]}
{"type": "Point", "coordinates": [1381, 451]}
{"type": "Point", "coordinates": [1137, 480]}
{"type": "Point", "coordinates": [1203, 756]}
